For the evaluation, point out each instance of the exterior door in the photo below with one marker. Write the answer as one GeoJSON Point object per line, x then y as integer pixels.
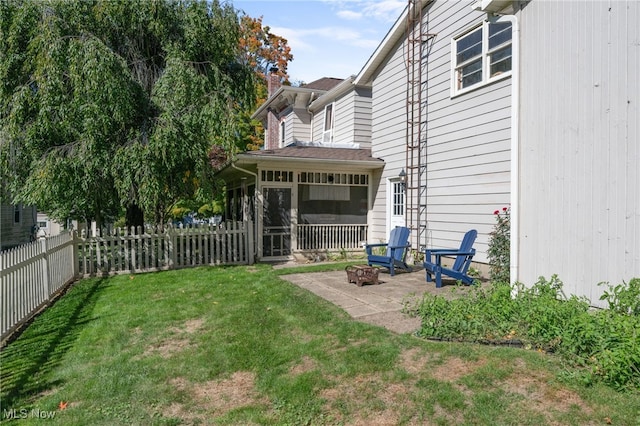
{"type": "Point", "coordinates": [276, 222]}
{"type": "Point", "coordinates": [395, 204]}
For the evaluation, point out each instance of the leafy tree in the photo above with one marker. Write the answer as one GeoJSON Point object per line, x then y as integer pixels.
{"type": "Point", "coordinates": [260, 50]}
{"type": "Point", "coordinates": [263, 51]}
{"type": "Point", "coordinates": [112, 104]}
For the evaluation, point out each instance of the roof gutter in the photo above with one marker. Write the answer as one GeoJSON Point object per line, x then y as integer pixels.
{"type": "Point", "coordinates": [255, 175]}
{"type": "Point", "coordinates": [356, 163]}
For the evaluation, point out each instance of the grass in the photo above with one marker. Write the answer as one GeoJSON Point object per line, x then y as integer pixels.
{"type": "Point", "coordinates": [238, 345]}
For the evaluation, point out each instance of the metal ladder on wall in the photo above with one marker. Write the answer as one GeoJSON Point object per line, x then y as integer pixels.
{"type": "Point", "coordinates": [418, 45]}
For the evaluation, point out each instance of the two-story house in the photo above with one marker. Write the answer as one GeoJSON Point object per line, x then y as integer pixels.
{"type": "Point", "coordinates": [311, 187]}
{"type": "Point", "coordinates": [532, 105]}
{"type": "Point", "coordinates": [472, 106]}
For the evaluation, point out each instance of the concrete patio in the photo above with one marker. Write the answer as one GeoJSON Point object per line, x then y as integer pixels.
{"type": "Point", "coordinates": [380, 304]}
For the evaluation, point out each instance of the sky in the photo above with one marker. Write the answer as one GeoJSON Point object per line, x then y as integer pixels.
{"type": "Point", "coordinates": [328, 38]}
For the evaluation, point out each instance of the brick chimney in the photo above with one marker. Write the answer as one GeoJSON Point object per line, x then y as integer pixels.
{"type": "Point", "coordinates": [272, 133]}
{"type": "Point", "coordinates": [273, 81]}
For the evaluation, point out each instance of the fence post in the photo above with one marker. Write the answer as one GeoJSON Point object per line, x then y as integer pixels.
{"type": "Point", "coordinates": [75, 249]}
{"type": "Point", "coordinates": [173, 251]}
{"type": "Point", "coordinates": [250, 243]}
{"type": "Point", "coordinates": [45, 265]}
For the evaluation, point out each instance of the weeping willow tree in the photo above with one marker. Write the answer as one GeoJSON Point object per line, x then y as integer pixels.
{"type": "Point", "coordinates": [108, 106]}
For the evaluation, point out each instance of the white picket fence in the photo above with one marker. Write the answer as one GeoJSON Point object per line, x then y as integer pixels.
{"type": "Point", "coordinates": [32, 275]}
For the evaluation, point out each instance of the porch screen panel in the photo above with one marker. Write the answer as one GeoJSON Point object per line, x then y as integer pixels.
{"type": "Point", "coordinates": [276, 239]}
{"type": "Point", "coordinates": [329, 204]}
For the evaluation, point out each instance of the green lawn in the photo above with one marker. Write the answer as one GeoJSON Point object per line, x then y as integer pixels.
{"type": "Point", "coordinates": [238, 345]}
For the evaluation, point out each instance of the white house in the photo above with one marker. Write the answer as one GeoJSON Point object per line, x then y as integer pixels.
{"type": "Point", "coordinates": [526, 104]}
{"type": "Point", "coordinates": [477, 105]}
{"type": "Point", "coordinates": [310, 189]}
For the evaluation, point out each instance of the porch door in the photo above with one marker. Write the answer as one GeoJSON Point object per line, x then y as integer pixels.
{"type": "Point", "coordinates": [395, 204]}
{"type": "Point", "coordinates": [276, 222]}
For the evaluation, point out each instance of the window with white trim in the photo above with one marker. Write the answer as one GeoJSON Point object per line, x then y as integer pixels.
{"type": "Point", "coordinates": [327, 132]}
{"type": "Point", "coordinates": [481, 55]}
{"type": "Point", "coordinates": [398, 198]}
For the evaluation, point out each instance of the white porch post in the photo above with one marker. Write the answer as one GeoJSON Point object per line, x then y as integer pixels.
{"type": "Point", "coordinates": [294, 213]}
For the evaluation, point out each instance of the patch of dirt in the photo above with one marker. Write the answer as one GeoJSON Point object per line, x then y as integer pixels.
{"type": "Point", "coordinates": [167, 348]}
{"type": "Point", "coordinates": [541, 396]}
{"type": "Point", "coordinates": [189, 327]}
{"type": "Point", "coordinates": [414, 361]}
{"type": "Point", "coordinates": [357, 394]}
{"type": "Point", "coordinates": [193, 325]}
{"type": "Point", "coordinates": [176, 343]}
{"type": "Point", "coordinates": [216, 397]}
{"type": "Point", "coordinates": [225, 395]}
{"type": "Point", "coordinates": [306, 364]}
{"type": "Point", "coordinates": [455, 368]}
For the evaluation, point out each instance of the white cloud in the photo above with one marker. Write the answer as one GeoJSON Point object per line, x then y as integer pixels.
{"type": "Point", "coordinates": [385, 10]}
{"type": "Point", "coordinates": [303, 39]}
{"type": "Point", "coordinates": [349, 15]}
{"type": "Point", "coordinates": [295, 38]}
{"type": "Point", "coordinates": [382, 10]}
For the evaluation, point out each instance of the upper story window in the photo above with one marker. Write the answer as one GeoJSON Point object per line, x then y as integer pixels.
{"type": "Point", "coordinates": [481, 55]}
{"type": "Point", "coordinates": [327, 132]}
{"type": "Point", "coordinates": [17, 213]}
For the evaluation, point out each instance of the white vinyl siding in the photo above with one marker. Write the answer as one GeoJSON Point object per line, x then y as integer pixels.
{"type": "Point", "coordinates": [296, 126]}
{"type": "Point", "coordinates": [351, 119]}
{"type": "Point", "coordinates": [579, 139]}
{"type": "Point", "coordinates": [468, 153]}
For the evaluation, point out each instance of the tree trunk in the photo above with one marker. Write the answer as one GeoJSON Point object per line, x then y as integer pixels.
{"type": "Point", "coordinates": [134, 216]}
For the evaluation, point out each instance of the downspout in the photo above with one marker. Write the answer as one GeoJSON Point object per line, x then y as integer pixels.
{"type": "Point", "coordinates": [514, 248]}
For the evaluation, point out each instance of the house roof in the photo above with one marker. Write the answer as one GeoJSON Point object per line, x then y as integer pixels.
{"type": "Point", "coordinates": [324, 83]}
{"type": "Point", "coordinates": [315, 153]}
{"type": "Point", "coordinates": [309, 155]}
{"type": "Point", "coordinates": [337, 91]}
{"type": "Point", "coordinates": [288, 95]}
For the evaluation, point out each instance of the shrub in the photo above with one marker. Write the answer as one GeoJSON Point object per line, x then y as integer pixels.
{"type": "Point", "coordinates": [607, 342]}
{"type": "Point", "coordinates": [623, 298]}
{"type": "Point", "coordinates": [499, 246]}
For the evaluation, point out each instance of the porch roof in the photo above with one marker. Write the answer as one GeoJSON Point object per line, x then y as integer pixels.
{"type": "Point", "coordinates": [321, 155]}
{"type": "Point", "coordinates": [294, 155]}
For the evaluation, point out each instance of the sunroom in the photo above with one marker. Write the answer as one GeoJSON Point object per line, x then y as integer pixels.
{"type": "Point", "coordinates": [303, 199]}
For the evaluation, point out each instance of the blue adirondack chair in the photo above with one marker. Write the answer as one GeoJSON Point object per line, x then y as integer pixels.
{"type": "Point", "coordinates": [464, 255]}
{"type": "Point", "coordinates": [397, 249]}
